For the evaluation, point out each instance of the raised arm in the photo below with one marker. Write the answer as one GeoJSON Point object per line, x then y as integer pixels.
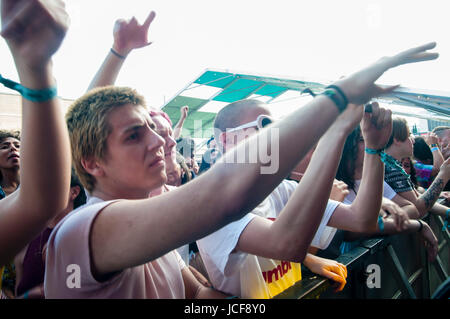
{"type": "Point", "coordinates": [290, 235]}
{"type": "Point", "coordinates": [179, 126]}
{"type": "Point", "coordinates": [45, 150]}
{"type": "Point", "coordinates": [128, 35]}
{"type": "Point", "coordinates": [432, 140]}
{"type": "Point", "coordinates": [242, 186]}
{"type": "Point", "coordinates": [362, 214]}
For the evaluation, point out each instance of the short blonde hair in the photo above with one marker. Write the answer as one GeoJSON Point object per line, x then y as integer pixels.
{"type": "Point", "coordinates": [87, 122]}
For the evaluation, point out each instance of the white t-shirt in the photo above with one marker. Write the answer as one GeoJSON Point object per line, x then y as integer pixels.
{"type": "Point", "coordinates": [249, 276]}
{"type": "Point", "coordinates": [388, 192]}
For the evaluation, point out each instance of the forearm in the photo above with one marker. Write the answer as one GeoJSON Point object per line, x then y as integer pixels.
{"type": "Point", "coordinates": [108, 72]}
{"type": "Point", "coordinates": [426, 201]}
{"type": "Point", "coordinates": [367, 203]}
{"type": "Point", "coordinates": [439, 209]}
{"type": "Point", "coordinates": [438, 159]}
{"type": "Point", "coordinates": [302, 215]}
{"type": "Point", "coordinates": [391, 229]}
{"type": "Point", "coordinates": [178, 128]}
{"type": "Point", "coordinates": [45, 149]}
{"type": "Point", "coordinates": [411, 210]}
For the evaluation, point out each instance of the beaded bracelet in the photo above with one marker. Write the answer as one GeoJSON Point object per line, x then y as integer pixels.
{"type": "Point", "coordinates": [29, 94]}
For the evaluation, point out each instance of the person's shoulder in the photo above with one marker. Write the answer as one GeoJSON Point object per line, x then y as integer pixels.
{"type": "Point", "coordinates": [79, 219]}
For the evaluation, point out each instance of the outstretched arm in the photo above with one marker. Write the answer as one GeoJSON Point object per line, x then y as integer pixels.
{"type": "Point", "coordinates": [128, 35]}
{"type": "Point", "coordinates": [242, 185]}
{"type": "Point", "coordinates": [45, 177]}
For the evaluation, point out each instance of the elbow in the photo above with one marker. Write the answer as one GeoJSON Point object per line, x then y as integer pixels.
{"type": "Point", "coordinates": [366, 226]}
{"type": "Point", "coordinates": [291, 252]}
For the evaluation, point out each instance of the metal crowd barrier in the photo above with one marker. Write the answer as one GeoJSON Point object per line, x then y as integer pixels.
{"type": "Point", "coordinates": [404, 269]}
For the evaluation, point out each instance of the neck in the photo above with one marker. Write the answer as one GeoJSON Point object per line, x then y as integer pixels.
{"type": "Point", "coordinates": [10, 178]}
{"type": "Point", "coordinates": [392, 152]}
{"type": "Point", "coordinates": [122, 194]}
{"type": "Point", "coordinates": [158, 191]}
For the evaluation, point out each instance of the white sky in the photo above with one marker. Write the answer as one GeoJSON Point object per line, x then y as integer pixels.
{"type": "Point", "coordinates": [320, 39]}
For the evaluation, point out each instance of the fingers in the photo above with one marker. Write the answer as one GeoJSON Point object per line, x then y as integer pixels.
{"type": "Point", "coordinates": [379, 117]}
{"type": "Point", "coordinates": [417, 54]}
{"type": "Point", "coordinates": [149, 19]}
{"type": "Point", "coordinates": [338, 275]}
{"type": "Point", "coordinates": [15, 18]}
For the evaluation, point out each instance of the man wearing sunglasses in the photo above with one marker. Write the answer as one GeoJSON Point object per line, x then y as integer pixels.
{"type": "Point", "coordinates": [240, 258]}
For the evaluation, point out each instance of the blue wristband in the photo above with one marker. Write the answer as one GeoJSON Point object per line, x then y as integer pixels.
{"type": "Point", "coordinates": [447, 213]}
{"type": "Point", "coordinates": [372, 151]}
{"type": "Point", "coordinates": [380, 224]}
{"type": "Point", "coordinates": [386, 159]}
{"type": "Point", "coordinates": [435, 149]}
{"type": "Point", "coordinates": [29, 94]}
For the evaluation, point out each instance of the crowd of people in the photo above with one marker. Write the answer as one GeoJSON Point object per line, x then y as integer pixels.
{"type": "Point", "coordinates": [112, 203]}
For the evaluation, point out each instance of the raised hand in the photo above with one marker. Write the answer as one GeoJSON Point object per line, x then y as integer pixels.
{"type": "Point", "coordinates": [360, 87]}
{"type": "Point", "coordinates": [394, 211]}
{"type": "Point", "coordinates": [34, 30]}
{"type": "Point", "coordinates": [376, 127]}
{"type": "Point", "coordinates": [184, 111]}
{"type": "Point", "coordinates": [130, 35]}
{"type": "Point", "coordinates": [431, 138]}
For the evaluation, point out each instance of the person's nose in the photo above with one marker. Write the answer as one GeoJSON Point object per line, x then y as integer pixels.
{"type": "Point", "coordinates": [155, 140]}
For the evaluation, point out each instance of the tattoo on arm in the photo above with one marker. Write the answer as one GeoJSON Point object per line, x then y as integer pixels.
{"type": "Point", "coordinates": [432, 194]}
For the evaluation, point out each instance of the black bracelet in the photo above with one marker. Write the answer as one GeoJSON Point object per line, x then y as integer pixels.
{"type": "Point", "coordinates": [421, 225]}
{"type": "Point", "coordinates": [334, 96]}
{"type": "Point", "coordinates": [341, 93]}
{"type": "Point", "coordinates": [117, 54]}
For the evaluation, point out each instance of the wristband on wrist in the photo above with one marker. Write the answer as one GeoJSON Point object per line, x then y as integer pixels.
{"type": "Point", "coordinates": [30, 94]}
{"type": "Point", "coordinates": [380, 223]}
{"type": "Point", "coordinates": [333, 94]}
{"type": "Point", "coordinates": [373, 151]}
{"type": "Point", "coordinates": [118, 55]}
{"type": "Point", "coordinates": [434, 149]}
{"type": "Point", "coordinates": [434, 145]}
{"type": "Point", "coordinates": [421, 225]}
{"type": "Point", "coordinates": [447, 213]}
{"type": "Point", "coordinates": [386, 159]}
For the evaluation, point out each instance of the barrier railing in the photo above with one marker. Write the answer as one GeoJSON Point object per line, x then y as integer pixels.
{"type": "Point", "coordinates": [400, 260]}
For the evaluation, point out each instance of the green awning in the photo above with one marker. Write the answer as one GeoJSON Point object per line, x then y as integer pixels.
{"type": "Point", "coordinates": [214, 89]}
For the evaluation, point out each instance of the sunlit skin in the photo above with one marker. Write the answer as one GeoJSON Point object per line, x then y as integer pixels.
{"type": "Point", "coordinates": [133, 140]}
{"type": "Point", "coordinates": [9, 164]}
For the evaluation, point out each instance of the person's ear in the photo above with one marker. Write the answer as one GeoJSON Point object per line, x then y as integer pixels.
{"type": "Point", "coordinates": [74, 192]}
{"type": "Point", "coordinates": [92, 166]}
{"type": "Point", "coordinates": [223, 140]}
